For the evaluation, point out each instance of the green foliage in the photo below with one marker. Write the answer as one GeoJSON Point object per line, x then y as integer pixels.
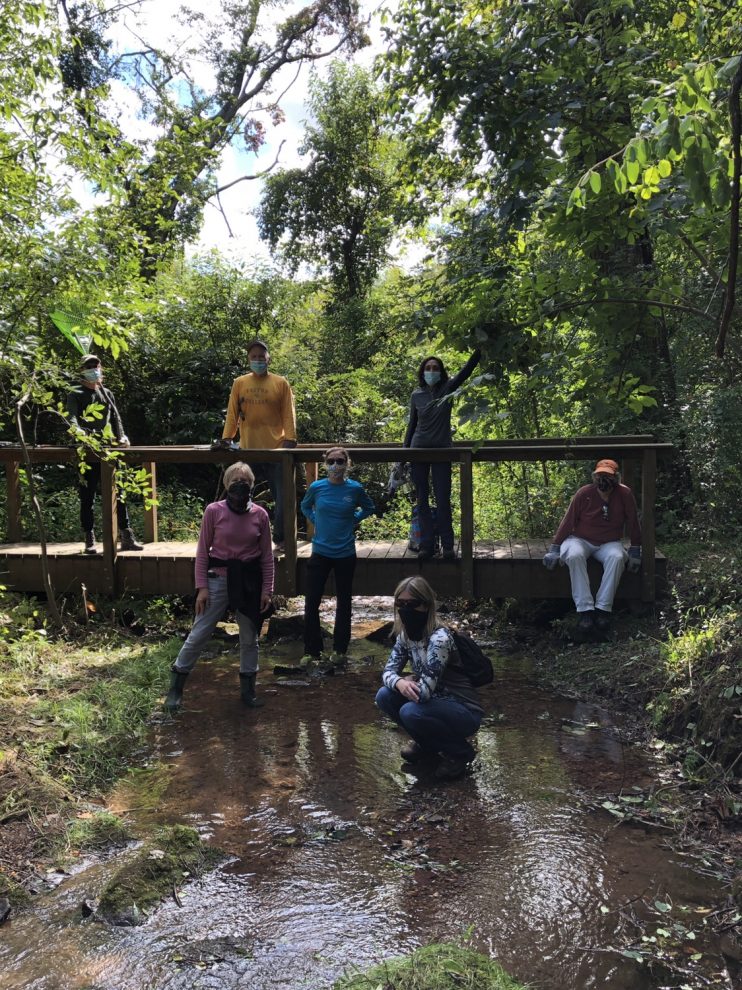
{"type": "Point", "coordinates": [442, 966]}
{"type": "Point", "coordinates": [342, 209]}
{"type": "Point", "coordinates": [96, 830]}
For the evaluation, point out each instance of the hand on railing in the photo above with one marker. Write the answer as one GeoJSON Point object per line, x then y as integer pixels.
{"type": "Point", "coordinates": [634, 564]}
{"type": "Point", "coordinates": [551, 559]}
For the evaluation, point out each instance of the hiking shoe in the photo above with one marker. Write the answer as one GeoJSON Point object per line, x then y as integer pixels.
{"type": "Point", "coordinates": [602, 620]}
{"type": "Point", "coordinates": [425, 554]}
{"type": "Point", "coordinates": [585, 621]}
{"type": "Point", "coordinates": [451, 768]}
{"type": "Point", "coordinates": [448, 555]}
{"type": "Point", "coordinates": [412, 752]}
{"type": "Point", "coordinates": [339, 660]}
{"type": "Point", "coordinates": [90, 547]}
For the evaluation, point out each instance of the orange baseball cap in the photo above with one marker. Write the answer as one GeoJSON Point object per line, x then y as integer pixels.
{"type": "Point", "coordinates": [606, 467]}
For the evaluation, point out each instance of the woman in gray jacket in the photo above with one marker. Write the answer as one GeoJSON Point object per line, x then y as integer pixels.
{"type": "Point", "coordinates": [430, 426]}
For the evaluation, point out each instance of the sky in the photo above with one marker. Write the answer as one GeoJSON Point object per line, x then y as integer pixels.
{"type": "Point", "coordinates": [157, 21]}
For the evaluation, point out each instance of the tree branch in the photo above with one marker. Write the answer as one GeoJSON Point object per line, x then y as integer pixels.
{"type": "Point", "coordinates": [632, 302]}
{"type": "Point", "coordinates": [249, 178]}
{"type": "Point", "coordinates": [731, 289]}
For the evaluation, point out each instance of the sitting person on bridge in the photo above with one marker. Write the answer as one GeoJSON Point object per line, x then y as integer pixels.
{"type": "Point", "coordinates": [430, 426]}
{"type": "Point", "coordinates": [334, 505]}
{"type": "Point", "coordinates": [234, 567]}
{"type": "Point", "coordinates": [436, 703]}
{"type": "Point", "coordinates": [92, 391]}
{"type": "Point", "coordinates": [593, 526]}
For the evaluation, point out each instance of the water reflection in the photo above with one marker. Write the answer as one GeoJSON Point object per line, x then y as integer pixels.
{"type": "Point", "coordinates": [340, 855]}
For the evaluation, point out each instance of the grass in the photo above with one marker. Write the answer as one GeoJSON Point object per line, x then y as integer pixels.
{"type": "Point", "coordinates": [163, 864]}
{"type": "Point", "coordinates": [443, 966]}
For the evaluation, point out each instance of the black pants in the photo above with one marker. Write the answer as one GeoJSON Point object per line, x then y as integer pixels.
{"type": "Point", "coordinates": [87, 488]}
{"type": "Point", "coordinates": [318, 570]}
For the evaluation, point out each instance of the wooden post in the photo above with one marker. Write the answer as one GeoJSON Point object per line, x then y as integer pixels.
{"type": "Point", "coordinates": [467, 525]}
{"type": "Point", "coordinates": [150, 514]}
{"type": "Point", "coordinates": [109, 526]}
{"type": "Point", "coordinates": [312, 469]}
{"type": "Point", "coordinates": [649, 488]}
{"type": "Point", "coordinates": [13, 505]}
{"type": "Point", "coordinates": [288, 480]}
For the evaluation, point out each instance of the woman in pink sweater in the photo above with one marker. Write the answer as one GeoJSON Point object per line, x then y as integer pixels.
{"type": "Point", "coordinates": [234, 568]}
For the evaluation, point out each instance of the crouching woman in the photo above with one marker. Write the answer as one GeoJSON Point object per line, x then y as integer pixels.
{"type": "Point", "coordinates": [435, 703]}
{"type": "Point", "coordinates": [234, 568]}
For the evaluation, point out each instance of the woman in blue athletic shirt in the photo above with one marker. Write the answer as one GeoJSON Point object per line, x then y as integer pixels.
{"type": "Point", "coordinates": [334, 505]}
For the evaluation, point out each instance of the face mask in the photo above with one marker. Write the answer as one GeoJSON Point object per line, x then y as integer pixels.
{"type": "Point", "coordinates": [413, 621]}
{"type": "Point", "coordinates": [238, 496]}
{"type": "Point", "coordinates": [431, 377]}
{"type": "Point", "coordinates": [259, 367]}
{"type": "Point", "coordinates": [92, 374]}
{"type": "Point", "coordinates": [604, 483]}
{"type": "Point", "coordinates": [335, 470]}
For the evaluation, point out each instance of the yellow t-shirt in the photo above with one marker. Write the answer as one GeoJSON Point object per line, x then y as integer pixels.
{"type": "Point", "coordinates": [263, 408]}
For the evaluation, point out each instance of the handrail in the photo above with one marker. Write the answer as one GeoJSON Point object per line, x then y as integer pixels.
{"type": "Point", "coordinates": [627, 448]}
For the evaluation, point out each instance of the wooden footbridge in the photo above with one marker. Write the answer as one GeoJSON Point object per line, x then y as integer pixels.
{"type": "Point", "coordinates": [506, 568]}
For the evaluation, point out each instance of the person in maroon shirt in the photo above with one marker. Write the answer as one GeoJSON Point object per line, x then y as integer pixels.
{"type": "Point", "coordinates": [593, 526]}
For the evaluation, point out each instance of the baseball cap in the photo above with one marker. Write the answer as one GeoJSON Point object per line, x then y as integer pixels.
{"type": "Point", "coordinates": [606, 467]}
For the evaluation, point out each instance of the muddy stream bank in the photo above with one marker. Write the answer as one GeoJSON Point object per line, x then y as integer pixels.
{"type": "Point", "coordinates": [339, 857]}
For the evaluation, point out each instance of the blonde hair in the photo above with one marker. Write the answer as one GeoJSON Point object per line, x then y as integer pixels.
{"type": "Point", "coordinates": [339, 450]}
{"type": "Point", "coordinates": [238, 468]}
{"type": "Point", "coordinates": [419, 588]}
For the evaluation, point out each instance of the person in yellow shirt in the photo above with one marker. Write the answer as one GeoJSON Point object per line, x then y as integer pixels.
{"type": "Point", "coordinates": [261, 407]}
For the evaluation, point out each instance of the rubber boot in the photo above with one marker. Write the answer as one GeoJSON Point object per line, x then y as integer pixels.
{"type": "Point", "coordinates": [247, 689]}
{"type": "Point", "coordinates": [175, 694]}
{"type": "Point", "coordinates": [90, 546]}
{"type": "Point", "coordinates": [128, 540]}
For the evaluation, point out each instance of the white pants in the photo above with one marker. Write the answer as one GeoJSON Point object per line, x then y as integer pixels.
{"type": "Point", "coordinates": [574, 553]}
{"type": "Point", "coordinates": [204, 626]}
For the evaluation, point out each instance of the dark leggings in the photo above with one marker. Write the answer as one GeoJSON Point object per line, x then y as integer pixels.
{"type": "Point", "coordinates": [87, 488]}
{"type": "Point", "coordinates": [318, 570]}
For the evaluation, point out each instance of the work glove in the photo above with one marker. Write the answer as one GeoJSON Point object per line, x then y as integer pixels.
{"type": "Point", "coordinates": [551, 559]}
{"type": "Point", "coordinates": [634, 564]}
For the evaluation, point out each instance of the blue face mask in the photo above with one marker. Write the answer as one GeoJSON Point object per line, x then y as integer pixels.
{"type": "Point", "coordinates": [92, 374]}
{"type": "Point", "coordinates": [431, 377]}
{"type": "Point", "coordinates": [259, 367]}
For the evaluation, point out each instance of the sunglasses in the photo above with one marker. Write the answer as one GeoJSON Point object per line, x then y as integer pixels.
{"type": "Point", "coordinates": [338, 460]}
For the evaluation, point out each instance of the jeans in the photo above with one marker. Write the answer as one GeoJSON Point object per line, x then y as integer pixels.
{"type": "Point", "coordinates": [204, 626]}
{"type": "Point", "coordinates": [87, 487]}
{"type": "Point", "coordinates": [440, 725]}
{"type": "Point", "coordinates": [318, 570]}
{"type": "Point", "coordinates": [441, 473]}
{"type": "Point", "coordinates": [271, 474]}
{"type": "Point", "coordinates": [574, 553]}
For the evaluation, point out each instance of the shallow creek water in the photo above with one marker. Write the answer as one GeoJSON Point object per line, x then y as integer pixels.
{"type": "Point", "coordinates": [339, 858]}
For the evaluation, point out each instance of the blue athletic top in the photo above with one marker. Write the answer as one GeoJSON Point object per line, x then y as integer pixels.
{"type": "Point", "coordinates": [334, 510]}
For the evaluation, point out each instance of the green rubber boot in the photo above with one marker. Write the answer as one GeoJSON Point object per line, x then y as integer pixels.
{"type": "Point", "coordinates": [175, 694]}
{"type": "Point", "coordinates": [247, 689]}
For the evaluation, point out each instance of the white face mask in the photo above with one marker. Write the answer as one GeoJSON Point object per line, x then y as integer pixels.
{"type": "Point", "coordinates": [92, 374]}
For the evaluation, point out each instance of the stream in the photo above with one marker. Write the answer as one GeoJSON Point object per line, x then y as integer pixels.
{"type": "Point", "coordinates": [339, 858]}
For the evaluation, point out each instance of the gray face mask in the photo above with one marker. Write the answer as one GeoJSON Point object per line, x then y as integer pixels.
{"type": "Point", "coordinates": [92, 374]}
{"type": "Point", "coordinates": [431, 377]}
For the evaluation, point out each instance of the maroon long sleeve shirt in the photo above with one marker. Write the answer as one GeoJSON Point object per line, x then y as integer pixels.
{"type": "Point", "coordinates": [598, 522]}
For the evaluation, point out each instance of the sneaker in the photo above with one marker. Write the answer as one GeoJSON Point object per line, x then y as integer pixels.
{"type": "Point", "coordinates": [451, 768]}
{"type": "Point", "coordinates": [602, 620]}
{"type": "Point", "coordinates": [279, 548]}
{"type": "Point", "coordinates": [448, 555]}
{"type": "Point", "coordinates": [339, 660]}
{"type": "Point", "coordinates": [585, 621]}
{"type": "Point", "coordinates": [425, 554]}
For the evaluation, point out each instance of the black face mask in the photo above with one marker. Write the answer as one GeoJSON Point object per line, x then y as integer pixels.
{"type": "Point", "coordinates": [238, 496]}
{"type": "Point", "coordinates": [605, 484]}
{"type": "Point", "coordinates": [413, 621]}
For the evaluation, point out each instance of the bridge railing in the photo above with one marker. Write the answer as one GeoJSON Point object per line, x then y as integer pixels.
{"type": "Point", "coordinates": [635, 453]}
